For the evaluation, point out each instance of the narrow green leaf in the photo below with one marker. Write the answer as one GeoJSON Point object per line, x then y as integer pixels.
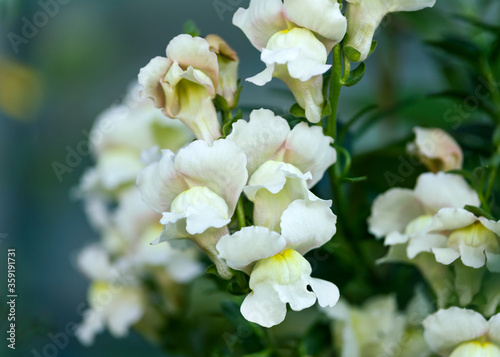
{"type": "Point", "coordinates": [478, 212]}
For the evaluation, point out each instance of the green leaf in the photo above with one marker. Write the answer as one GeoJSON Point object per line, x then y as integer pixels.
{"type": "Point", "coordinates": [459, 48]}
{"type": "Point", "coordinates": [265, 353]}
{"type": "Point", "coordinates": [297, 111]}
{"type": "Point", "coordinates": [478, 23]}
{"type": "Point", "coordinates": [190, 28]}
{"type": "Point", "coordinates": [478, 212]}
{"type": "Point", "coordinates": [316, 340]}
{"type": "Point", "coordinates": [354, 179]}
{"type": "Point", "coordinates": [355, 76]}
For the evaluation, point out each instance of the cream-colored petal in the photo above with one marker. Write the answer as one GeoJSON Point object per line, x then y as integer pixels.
{"type": "Point", "coordinates": [448, 219]}
{"type": "Point", "coordinates": [150, 77]}
{"type": "Point", "coordinates": [308, 149]}
{"type": "Point", "coordinates": [445, 329]}
{"type": "Point", "coordinates": [494, 328]}
{"type": "Point", "coordinates": [159, 183]}
{"type": "Point", "coordinates": [194, 51]}
{"type": "Point", "coordinates": [472, 256]}
{"type": "Point", "coordinates": [446, 256]}
{"type": "Point", "coordinates": [307, 225]}
{"type": "Point", "coordinates": [264, 307]}
{"type": "Point", "coordinates": [202, 209]}
{"type": "Point", "coordinates": [261, 138]}
{"type": "Point", "coordinates": [220, 167]}
{"type": "Point", "coordinates": [327, 293]}
{"type": "Point", "coordinates": [125, 310]}
{"type": "Point", "coordinates": [249, 245]}
{"type": "Point", "coordinates": [392, 211]}
{"type": "Point", "coordinates": [321, 16]}
{"type": "Point", "coordinates": [425, 243]}
{"type": "Point", "coordinates": [409, 5]}
{"type": "Point", "coordinates": [260, 21]}
{"type": "Point", "coordinates": [441, 190]}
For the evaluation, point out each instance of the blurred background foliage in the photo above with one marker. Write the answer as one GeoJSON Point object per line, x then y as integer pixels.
{"type": "Point", "coordinates": [56, 80]}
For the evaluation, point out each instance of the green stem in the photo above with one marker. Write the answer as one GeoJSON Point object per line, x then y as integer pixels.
{"type": "Point", "coordinates": [335, 86]}
{"type": "Point", "coordinates": [491, 181]}
{"type": "Point", "coordinates": [240, 211]}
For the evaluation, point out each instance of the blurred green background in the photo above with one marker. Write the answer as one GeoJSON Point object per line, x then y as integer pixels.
{"type": "Point", "coordinates": [78, 57]}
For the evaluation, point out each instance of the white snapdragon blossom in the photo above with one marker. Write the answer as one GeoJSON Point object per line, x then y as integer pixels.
{"type": "Point", "coordinates": [282, 163]}
{"type": "Point", "coordinates": [273, 187]}
{"type": "Point", "coordinates": [115, 299]}
{"type": "Point", "coordinates": [363, 18]}
{"type": "Point", "coordinates": [436, 149]}
{"type": "Point", "coordinates": [460, 234]}
{"type": "Point", "coordinates": [279, 274]}
{"type": "Point", "coordinates": [404, 215]}
{"type": "Point", "coordinates": [196, 191]}
{"type": "Point", "coordinates": [120, 134]}
{"type": "Point", "coordinates": [268, 137]}
{"type": "Point", "coordinates": [135, 225]}
{"type": "Point", "coordinates": [378, 329]}
{"type": "Point", "coordinates": [295, 38]}
{"type": "Point", "coordinates": [456, 332]}
{"type": "Point", "coordinates": [405, 218]}
{"type": "Point", "coordinates": [184, 84]}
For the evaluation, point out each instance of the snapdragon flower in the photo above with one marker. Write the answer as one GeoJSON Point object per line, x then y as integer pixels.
{"type": "Point", "coordinates": [118, 137]}
{"type": "Point", "coordinates": [377, 328]}
{"type": "Point", "coordinates": [184, 83]}
{"type": "Point", "coordinates": [267, 136]}
{"type": "Point", "coordinates": [294, 38]}
{"type": "Point", "coordinates": [436, 149]}
{"type": "Point", "coordinates": [115, 298]}
{"type": "Point", "coordinates": [404, 215]}
{"type": "Point", "coordinates": [405, 218]}
{"type": "Point", "coordinates": [279, 274]}
{"type": "Point", "coordinates": [196, 191]}
{"type": "Point", "coordinates": [456, 332]}
{"type": "Point", "coordinates": [363, 18]}
{"type": "Point", "coordinates": [282, 163]}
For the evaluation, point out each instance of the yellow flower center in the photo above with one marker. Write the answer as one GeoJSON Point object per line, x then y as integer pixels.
{"type": "Point", "coordinates": [285, 267]}
{"type": "Point", "coordinates": [475, 235]}
{"type": "Point", "coordinates": [476, 348]}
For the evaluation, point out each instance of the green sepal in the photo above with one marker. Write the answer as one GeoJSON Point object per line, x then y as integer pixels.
{"type": "Point", "coordinates": [355, 76]}
{"type": "Point", "coordinates": [190, 28]}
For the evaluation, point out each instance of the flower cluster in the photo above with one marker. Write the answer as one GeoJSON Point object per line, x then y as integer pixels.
{"type": "Point", "coordinates": [240, 189]}
{"type": "Point", "coordinates": [121, 136]}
